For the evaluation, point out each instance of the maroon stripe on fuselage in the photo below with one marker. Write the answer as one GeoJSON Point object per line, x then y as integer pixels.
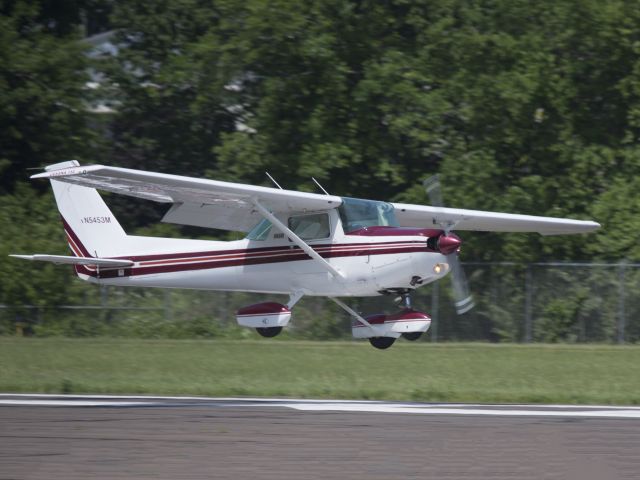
{"type": "Point", "coordinates": [79, 269]}
{"type": "Point", "coordinates": [188, 261]}
{"type": "Point", "coordinates": [74, 237]}
{"type": "Point", "coordinates": [255, 251]}
{"type": "Point", "coordinates": [237, 262]}
{"type": "Point", "coordinates": [170, 256]}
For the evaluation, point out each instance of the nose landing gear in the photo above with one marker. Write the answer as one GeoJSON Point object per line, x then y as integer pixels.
{"type": "Point", "coordinates": [404, 298]}
{"type": "Point", "coordinates": [412, 336]}
{"type": "Point", "coordinates": [382, 330]}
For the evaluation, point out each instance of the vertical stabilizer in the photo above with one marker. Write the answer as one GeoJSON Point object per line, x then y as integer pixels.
{"type": "Point", "coordinates": [92, 229]}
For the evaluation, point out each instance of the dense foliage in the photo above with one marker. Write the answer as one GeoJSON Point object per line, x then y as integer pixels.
{"type": "Point", "coordinates": [528, 107]}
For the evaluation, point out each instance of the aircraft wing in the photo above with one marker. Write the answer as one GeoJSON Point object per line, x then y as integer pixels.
{"type": "Point", "coordinates": [196, 201]}
{"type": "Point", "coordinates": [63, 259]}
{"type": "Point", "coordinates": [459, 219]}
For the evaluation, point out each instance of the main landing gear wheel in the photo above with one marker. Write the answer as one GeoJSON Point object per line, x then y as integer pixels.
{"type": "Point", "coordinates": [413, 336]}
{"type": "Point", "coordinates": [382, 342]}
{"type": "Point", "coordinates": [269, 332]}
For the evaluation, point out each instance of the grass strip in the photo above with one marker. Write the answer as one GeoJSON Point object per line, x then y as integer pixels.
{"type": "Point", "coordinates": [575, 374]}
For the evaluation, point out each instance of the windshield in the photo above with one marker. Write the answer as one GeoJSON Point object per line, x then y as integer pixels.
{"type": "Point", "coordinates": [356, 214]}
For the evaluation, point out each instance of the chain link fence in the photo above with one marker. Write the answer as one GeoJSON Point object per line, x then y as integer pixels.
{"type": "Point", "coordinates": [542, 302]}
{"type": "Point", "coordinates": [537, 302]}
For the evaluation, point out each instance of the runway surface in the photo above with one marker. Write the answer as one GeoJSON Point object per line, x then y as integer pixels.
{"type": "Point", "coordinates": [47, 436]}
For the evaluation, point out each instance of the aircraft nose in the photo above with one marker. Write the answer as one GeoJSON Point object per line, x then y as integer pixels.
{"type": "Point", "coordinates": [448, 244]}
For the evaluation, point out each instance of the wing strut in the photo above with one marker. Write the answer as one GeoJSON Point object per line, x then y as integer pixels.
{"type": "Point", "coordinates": [297, 240]}
{"type": "Point", "coordinates": [294, 298]}
{"type": "Point", "coordinates": [353, 313]}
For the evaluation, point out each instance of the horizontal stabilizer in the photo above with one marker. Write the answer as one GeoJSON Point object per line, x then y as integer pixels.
{"type": "Point", "coordinates": [63, 259]}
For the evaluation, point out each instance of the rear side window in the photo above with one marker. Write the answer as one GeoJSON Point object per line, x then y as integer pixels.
{"type": "Point", "coordinates": [260, 231]}
{"type": "Point", "coordinates": [310, 227]}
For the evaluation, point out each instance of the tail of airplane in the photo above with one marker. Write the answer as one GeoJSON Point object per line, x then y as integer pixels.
{"type": "Point", "coordinates": [95, 237]}
{"type": "Point", "coordinates": [93, 233]}
{"type": "Point", "coordinates": [92, 229]}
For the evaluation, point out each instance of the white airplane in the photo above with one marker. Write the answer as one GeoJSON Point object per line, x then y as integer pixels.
{"type": "Point", "coordinates": [297, 244]}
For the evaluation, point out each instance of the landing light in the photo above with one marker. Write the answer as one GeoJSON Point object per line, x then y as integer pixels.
{"type": "Point", "coordinates": [437, 268]}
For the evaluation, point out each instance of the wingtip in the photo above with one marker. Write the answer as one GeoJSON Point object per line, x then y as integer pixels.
{"type": "Point", "coordinates": [591, 226]}
{"type": "Point", "coordinates": [39, 175]}
{"type": "Point", "coordinates": [24, 257]}
{"type": "Point", "coordinates": [58, 169]}
{"type": "Point", "coordinates": [585, 227]}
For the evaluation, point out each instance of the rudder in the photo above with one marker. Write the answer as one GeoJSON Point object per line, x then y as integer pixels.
{"type": "Point", "coordinates": [92, 229]}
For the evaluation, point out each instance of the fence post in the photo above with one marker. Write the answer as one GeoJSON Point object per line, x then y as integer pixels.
{"type": "Point", "coordinates": [104, 295]}
{"type": "Point", "coordinates": [106, 315]}
{"type": "Point", "coordinates": [621, 300]}
{"type": "Point", "coordinates": [435, 301]}
{"type": "Point", "coordinates": [168, 310]}
{"type": "Point", "coordinates": [528, 307]}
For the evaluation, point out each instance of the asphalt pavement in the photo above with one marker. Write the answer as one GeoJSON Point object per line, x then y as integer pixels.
{"type": "Point", "coordinates": [188, 437]}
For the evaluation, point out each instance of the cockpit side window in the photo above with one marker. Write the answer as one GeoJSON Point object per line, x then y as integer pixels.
{"type": "Point", "coordinates": [356, 214]}
{"type": "Point", "coordinates": [310, 227]}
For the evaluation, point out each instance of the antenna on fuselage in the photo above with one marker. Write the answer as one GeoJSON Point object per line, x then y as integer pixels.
{"type": "Point", "coordinates": [321, 187]}
{"type": "Point", "coordinates": [273, 180]}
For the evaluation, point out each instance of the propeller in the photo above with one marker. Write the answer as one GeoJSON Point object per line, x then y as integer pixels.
{"type": "Point", "coordinates": [449, 245]}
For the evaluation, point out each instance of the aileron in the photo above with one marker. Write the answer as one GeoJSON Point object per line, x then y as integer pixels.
{"type": "Point", "coordinates": [478, 220]}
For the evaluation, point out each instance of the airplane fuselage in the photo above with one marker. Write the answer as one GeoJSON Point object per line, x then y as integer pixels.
{"type": "Point", "coordinates": [371, 260]}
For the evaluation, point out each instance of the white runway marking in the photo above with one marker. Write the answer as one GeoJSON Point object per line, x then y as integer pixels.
{"type": "Point", "coordinates": [570, 411]}
{"type": "Point", "coordinates": [73, 403]}
{"type": "Point", "coordinates": [491, 410]}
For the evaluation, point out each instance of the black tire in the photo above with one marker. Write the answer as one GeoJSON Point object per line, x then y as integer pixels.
{"type": "Point", "coordinates": [382, 343]}
{"type": "Point", "coordinates": [413, 336]}
{"type": "Point", "coordinates": [269, 332]}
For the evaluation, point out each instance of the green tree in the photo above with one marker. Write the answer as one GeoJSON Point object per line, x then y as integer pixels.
{"type": "Point", "coordinates": [31, 224]}
{"type": "Point", "coordinates": [43, 71]}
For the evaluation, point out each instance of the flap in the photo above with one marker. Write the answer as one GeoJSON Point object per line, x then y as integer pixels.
{"type": "Point", "coordinates": [224, 217]}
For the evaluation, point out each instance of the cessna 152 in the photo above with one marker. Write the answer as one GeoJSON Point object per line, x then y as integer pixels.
{"type": "Point", "coordinates": [297, 244]}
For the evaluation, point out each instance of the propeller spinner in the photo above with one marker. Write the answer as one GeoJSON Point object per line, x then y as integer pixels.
{"type": "Point", "coordinates": [449, 245]}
